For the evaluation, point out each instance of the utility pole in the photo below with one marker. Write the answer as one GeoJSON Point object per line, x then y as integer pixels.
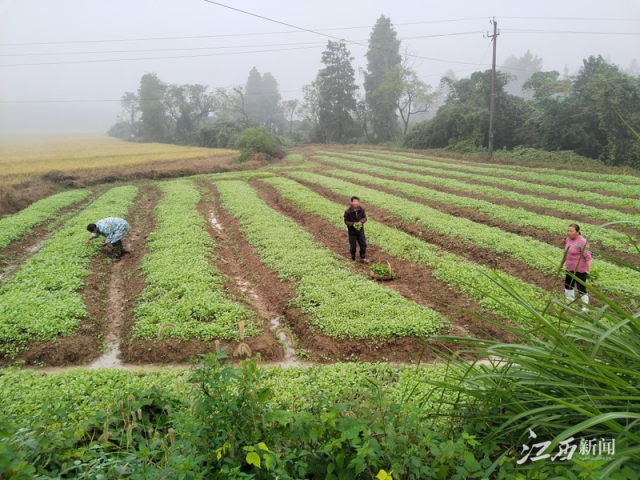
{"type": "Point", "coordinates": [492, 101]}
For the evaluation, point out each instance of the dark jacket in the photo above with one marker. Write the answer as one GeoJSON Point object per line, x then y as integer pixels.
{"type": "Point", "coordinates": [352, 216]}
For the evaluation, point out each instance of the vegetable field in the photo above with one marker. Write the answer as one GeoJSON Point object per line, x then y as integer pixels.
{"type": "Point", "coordinates": [258, 261]}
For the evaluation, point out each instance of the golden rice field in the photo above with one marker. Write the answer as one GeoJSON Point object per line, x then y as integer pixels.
{"type": "Point", "coordinates": [25, 157]}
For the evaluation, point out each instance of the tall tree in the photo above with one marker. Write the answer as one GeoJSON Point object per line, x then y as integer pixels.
{"type": "Point", "coordinates": [252, 96]}
{"type": "Point", "coordinates": [290, 108]}
{"type": "Point", "coordinates": [414, 96]}
{"type": "Point", "coordinates": [151, 92]}
{"type": "Point", "coordinates": [130, 104]}
{"type": "Point", "coordinates": [188, 107]}
{"type": "Point", "coordinates": [336, 89]}
{"type": "Point", "coordinates": [382, 56]}
{"type": "Point", "coordinates": [273, 116]}
{"type": "Point", "coordinates": [521, 68]}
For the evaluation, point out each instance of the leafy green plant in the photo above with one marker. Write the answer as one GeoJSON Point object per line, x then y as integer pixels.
{"type": "Point", "coordinates": [447, 168]}
{"type": "Point", "coordinates": [183, 287]}
{"type": "Point", "coordinates": [383, 270]}
{"type": "Point", "coordinates": [455, 271]}
{"type": "Point", "coordinates": [573, 375]}
{"type": "Point", "coordinates": [555, 179]}
{"type": "Point", "coordinates": [327, 298]}
{"type": "Point", "coordinates": [257, 140]}
{"type": "Point", "coordinates": [536, 254]}
{"type": "Point", "coordinates": [19, 224]}
{"type": "Point", "coordinates": [42, 301]}
{"type": "Point", "coordinates": [357, 226]}
{"type": "Point", "coordinates": [471, 186]}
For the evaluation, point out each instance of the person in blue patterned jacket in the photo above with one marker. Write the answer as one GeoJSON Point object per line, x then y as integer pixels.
{"type": "Point", "coordinates": [114, 229]}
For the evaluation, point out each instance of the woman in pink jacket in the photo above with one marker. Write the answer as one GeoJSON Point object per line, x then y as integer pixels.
{"type": "Point", "coordinates": [577, 264]}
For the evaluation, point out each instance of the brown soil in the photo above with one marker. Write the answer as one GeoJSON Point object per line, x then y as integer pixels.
{"type": "Point", "coordinates": [468, 213]}
{"type": "Point", "coordinates": [413, 281]}
{"type": "Point", "coordinates": [462, 247]}
{"type": "Point", "coordinates": [171, 350]}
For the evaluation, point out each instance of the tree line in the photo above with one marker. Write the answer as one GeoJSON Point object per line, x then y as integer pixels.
{"type": "Point", "coordinates": [593, 112]}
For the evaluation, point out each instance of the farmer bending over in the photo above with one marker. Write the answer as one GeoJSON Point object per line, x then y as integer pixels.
{"type": "Point", "coordinates": [354, 219]}
{"type": "Point", "coordinates": [114, 229]}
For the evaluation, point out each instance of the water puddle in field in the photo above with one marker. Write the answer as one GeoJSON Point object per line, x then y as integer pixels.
{"type": "Point", "coordinates": [290, 359]}
{"type": "Point", "coordinates": [214, 221]}
{"type": "Point", "coordinates": [36, 247]}
{"type": "Point", "coordinates": [109, 359]}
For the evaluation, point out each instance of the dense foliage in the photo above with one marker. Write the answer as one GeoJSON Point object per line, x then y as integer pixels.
{"type": "Point", "coordinates": [255, 141]}
{"type": "Point", "coordinates": [457, 272]}
{"type": "Point", "coordinates": [572, 377]}
{"type": "Point", "coordinates": [220, 134]}
{"type": "Point", "coordinates": [514, 216]}
{"type": "Point", "coordinates": [19, 224]}
{"type": "Point", "coordinates": [536, 254]}
{"type": "Point", "coordinates": [326, 287]}
{"type": "Point", "coordinates": [585, 113]}
{"type": "Point", "coordinates": [184, 297]}
{"type": "Point", "coordinates": [42, 301]}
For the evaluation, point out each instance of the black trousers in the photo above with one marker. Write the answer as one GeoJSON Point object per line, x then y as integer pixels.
{"type": "Point", "coordinates": [359, 239]}
{"type": "Point", "coordinates": [570, 282]}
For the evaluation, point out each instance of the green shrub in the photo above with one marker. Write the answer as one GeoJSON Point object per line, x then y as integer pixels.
{"type": "Point", "coordinates": [220, 134]}
{"type": "Point", "coordinates": [255, 141]}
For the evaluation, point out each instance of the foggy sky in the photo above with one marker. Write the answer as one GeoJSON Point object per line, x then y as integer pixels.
{"type": "Point", "coordinates": [24, 21]}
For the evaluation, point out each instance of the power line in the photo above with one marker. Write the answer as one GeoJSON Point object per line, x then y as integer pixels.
{"type": "Point", "coordinates": [576, 18]}
{"type": "Point", "coordinates": [324, 34]}
{"type": "Point", "coordinates": [217, 47]}
{"type": "Point", "coordinates": [151, 58]}
{"type": "Point", "coordinates": [195, 37]}
{"type": "Point", "coordinates": [569, 32]}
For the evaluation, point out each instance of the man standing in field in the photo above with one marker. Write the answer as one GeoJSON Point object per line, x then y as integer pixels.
{"type": "Point", "coordinates": [355, 218]}
{"type": "Point", "coordinates": [114, 229]}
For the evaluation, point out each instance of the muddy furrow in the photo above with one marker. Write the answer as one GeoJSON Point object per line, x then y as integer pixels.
{"type": "Point", "coordinates": [414, 281]}
{"type": "Point", "coordinates": [470, 214]}
{"type": "Point", "coordinates": [474, 253]}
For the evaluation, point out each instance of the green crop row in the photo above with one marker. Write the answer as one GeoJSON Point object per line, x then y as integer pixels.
{"type": "Point", "coordinates": [559, 180]}
{"type": "Point", "coordinates": [470, 186]}
{"type": "Point", "coordinates": [536, 254]}
{"type": "Point", "coordinates": [513, 216]}
{"type": "Point", "coordinates": [339, 301]}
{"type": "Point", "coordinates": [82, 393]}
{"type": "Point", "coordinates": [41, 301]}
{"type": "Point", "coordinates": [19, 224]}
{"type": "Point", "coordinates": [184, 296]}
{"type": "Point", "coordinates": [570, 194]}
{"type": "Point", "coordinates": [472, 279]}
{"type": "Point", "coordinates": [608, 177]}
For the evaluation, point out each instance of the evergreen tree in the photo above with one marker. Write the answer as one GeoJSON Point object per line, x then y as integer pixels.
{"type": "Point", "coordinates": [272, 112]}
{"type": "Point", "coordinates": [153, 126]}
{"type": "Point", "coordinates": [252, 96]}
{"type": "Point", "coordinates": [382, 56]}
{"type": "Point", "coordinates": [336, 89]}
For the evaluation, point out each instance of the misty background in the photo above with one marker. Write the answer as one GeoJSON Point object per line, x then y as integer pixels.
{"type": "Point", "coordinates": [90, 91]}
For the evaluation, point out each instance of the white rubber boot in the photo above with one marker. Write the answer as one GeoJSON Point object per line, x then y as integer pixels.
{"type": "Point", "coordinates": [585, 301]}
{"type": "Point", "coordinates": [570, 295]}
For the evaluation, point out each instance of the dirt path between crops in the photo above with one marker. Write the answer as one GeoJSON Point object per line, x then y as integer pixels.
{"type": "Point", "coordinates": [14, 255]}
{"type": "Point", "coordinates": [414, 281]}
{"type": "Point", "coordinates": [491, 182]}
{"type": "Point", "coordinates": [489, 177]}
{"type": "Point", "coordinates": [458, 246]}
{"type": "Point", "coordinates": [571, 217]}
{"type": "Point", "coordinates": [556, 240]}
